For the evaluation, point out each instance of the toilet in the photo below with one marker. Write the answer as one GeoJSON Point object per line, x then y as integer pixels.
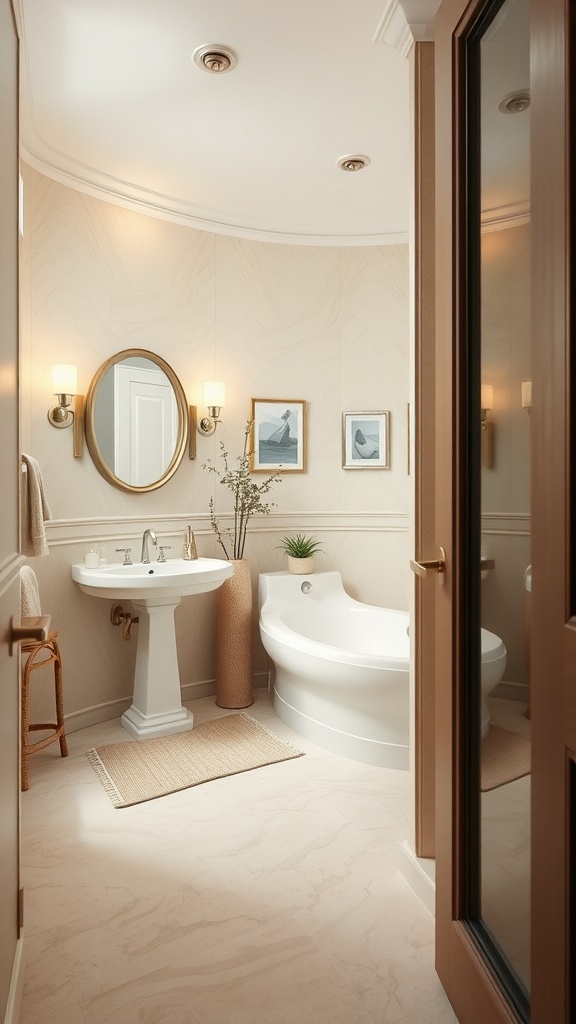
{"type": "Point", "coordinates": [493, 654]}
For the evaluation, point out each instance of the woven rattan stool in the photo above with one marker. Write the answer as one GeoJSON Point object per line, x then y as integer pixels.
{"type": "Point", "coordinates": [38, 654]}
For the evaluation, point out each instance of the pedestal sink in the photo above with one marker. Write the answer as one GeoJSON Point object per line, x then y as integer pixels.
{"type": "Point", "coordinates": [155, 590]}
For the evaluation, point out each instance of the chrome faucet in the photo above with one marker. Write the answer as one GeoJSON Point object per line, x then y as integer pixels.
{"type": "Point", "coordinates": [145, 557]}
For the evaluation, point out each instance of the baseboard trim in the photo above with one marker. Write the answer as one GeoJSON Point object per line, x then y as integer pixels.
{"type": "Point", "coordinates": [512, 691]}
{"type": "Point", "coordinates": [14, 1004]}
{"type": "Point", "coordinates": [97, 713]}
{"type": "Point", "coordinates": [420, 873]}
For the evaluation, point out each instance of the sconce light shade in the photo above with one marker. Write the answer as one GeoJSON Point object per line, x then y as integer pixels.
{"type": "Point", "coordinates": [487, 403]}
{"type": "Point", "coordinates": [215, 399]}
{"type": "Point", "coordinates": [215, 394]}
{"type": "Point", "coordinates": [64, 379]}
{"type": "Point", "coordinates": [487, 396]}
{"type": "Point", "coordinates": [65, 387]}
{"type": "Point", "coordinates": [526, 394]}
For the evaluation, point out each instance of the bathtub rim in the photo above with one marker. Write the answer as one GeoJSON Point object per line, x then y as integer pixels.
{"type": "Point", "coordinates": [273, 625]}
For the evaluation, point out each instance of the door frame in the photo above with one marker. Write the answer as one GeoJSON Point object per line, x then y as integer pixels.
{"type": "Point", "coordinates": [553, 646]}
{"type": "Point", "coordinates": [468, 978]}
{"type": "Point", "coordinates": [469, 983]}
{"type": "Point", "coordinates": [423, 91]}
{"type": "Point", "coordinates": [11, 896]}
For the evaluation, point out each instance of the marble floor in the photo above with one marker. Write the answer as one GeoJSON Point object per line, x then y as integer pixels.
{"type": "Point", "coordinates": [271, 897]}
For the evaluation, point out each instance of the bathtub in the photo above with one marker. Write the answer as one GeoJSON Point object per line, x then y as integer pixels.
{"type": "Point", "coordinates": [341, 668]}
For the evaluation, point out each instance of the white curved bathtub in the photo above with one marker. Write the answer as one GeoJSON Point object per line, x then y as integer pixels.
{"type": "Point", "coordinates": [341, 667]}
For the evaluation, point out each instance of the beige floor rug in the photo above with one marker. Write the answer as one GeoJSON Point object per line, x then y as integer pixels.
{"type": "Point", "coordinates": [505, 757]}
{"type": "Point", "coordinates": [141, 770]}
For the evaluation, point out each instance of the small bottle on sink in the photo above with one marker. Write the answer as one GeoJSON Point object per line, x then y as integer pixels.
{"type": "Point", "coordinates": [189, 551]}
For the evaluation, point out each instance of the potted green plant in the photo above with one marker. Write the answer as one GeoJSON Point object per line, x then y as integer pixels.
{"type": "Point", "coordinates": [300, 550]}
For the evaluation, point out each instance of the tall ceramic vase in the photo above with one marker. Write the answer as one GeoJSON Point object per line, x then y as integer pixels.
{"type": "Point", "coordinates": [234, 639]}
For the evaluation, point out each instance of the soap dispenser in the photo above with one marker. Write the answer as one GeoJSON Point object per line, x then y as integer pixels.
{"type": "Point", "coordinates": [189, 551]}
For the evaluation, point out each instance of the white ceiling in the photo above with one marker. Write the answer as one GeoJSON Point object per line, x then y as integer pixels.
{"type": "Point", "coordinates": [113, 104]}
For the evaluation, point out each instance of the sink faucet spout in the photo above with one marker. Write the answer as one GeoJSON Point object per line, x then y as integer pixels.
{"type": "Point", "coordinates": [145, 557]}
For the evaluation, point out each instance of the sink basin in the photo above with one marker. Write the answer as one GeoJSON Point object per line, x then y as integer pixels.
{"type": "Point", "coordinates": [155, 591]}
{"type": "Point", "coordinates": [176, 577]}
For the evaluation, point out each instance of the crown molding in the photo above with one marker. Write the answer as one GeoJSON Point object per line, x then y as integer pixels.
{"type": "Point", "coordinates": [405, 22]}
{"type": "Point", "coordinates": [511, 215]}
{"type": "Point", "coordinates": [420, 15]}
{"type": "Point", "coordinates": [393, 29]}
{"type": "Point", "coordinates": [94, 183]}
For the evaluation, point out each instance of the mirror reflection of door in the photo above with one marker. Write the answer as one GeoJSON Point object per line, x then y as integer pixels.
{"type": "Point", "coordinates": [136, 420]}
{"type": "Point", "coordinates": [504, 269]}
{"type": "Point", "coordinates": [146, 418]}
{"type": "Point", "coordinates": [504, 312]}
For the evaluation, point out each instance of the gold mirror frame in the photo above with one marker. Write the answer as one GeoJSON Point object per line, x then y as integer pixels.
{"type": "Point", "coordinates": [92, 441]}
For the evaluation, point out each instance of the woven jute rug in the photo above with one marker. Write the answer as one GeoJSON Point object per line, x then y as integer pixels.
{"type": "Point", "coordinates": [141, 770]}
{"type": "Point", "coordinates": [505, 757]}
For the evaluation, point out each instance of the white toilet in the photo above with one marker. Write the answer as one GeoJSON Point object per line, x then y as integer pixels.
{"type": "Point", "coordinates": [493, 654]}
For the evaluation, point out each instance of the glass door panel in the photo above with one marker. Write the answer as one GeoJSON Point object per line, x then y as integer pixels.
{"type": "Point", "coordinates": [499, 181]}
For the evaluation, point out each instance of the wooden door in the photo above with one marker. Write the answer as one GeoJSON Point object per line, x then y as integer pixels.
{"type": "Point", "coordinates": [11, 963]}
{"type": "Point", "coordinates": [480, 989]}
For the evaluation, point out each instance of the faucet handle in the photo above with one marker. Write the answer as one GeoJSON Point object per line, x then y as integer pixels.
{"type": "Point", "coordinates": [163, 548]}
{"type": "Point", "coordinates": [126, 552]}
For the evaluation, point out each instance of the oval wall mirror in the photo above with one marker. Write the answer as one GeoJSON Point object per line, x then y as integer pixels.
{"type": "Point", "coordinates": [136, 420]}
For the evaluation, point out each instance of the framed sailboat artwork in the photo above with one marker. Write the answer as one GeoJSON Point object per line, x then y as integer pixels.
{"type": "Point", "coordinates": [366, 440]}
{"type": "Point", "coordinates": [278, 435]}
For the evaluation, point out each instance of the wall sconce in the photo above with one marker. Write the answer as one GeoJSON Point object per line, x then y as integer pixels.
{"type": "Point", "coordinates": [215, 399]}
{"type": "Point", "coordinates": [487, 403]}
{"type": "Point", "coordinates": [527, 395]}
{"type": "Point", "coordinates": [65, 387]}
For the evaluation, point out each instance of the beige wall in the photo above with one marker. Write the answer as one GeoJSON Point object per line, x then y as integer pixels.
{"type": "Point", "coordinates": [327, 325]}
{"type": "Point", "coordinates": [506, 488]}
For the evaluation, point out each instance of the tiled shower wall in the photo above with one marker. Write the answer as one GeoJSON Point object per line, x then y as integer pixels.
{"type": "Point", "coordinates": [326, 325]}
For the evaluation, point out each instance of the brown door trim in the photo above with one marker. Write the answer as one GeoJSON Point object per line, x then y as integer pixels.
{"type": "Point", "coordinates": [422, 59]}
{"type": "Point", "coordinates": [453, 18]}
{"type": "Point", "coordinates": [553, 696]}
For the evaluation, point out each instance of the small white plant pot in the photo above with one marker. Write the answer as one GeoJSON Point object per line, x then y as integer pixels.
{"type": "Point", "coordinates": [301, 566]}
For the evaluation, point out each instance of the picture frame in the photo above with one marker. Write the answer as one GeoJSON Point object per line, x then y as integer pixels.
{"type": "Point", "coordinates": [278, 435]}
{"type": "Point", "coordinates": [366, 440]}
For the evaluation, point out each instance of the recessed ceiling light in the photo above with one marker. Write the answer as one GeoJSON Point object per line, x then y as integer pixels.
{"type": "Point", "coordinates": [515, 102]}
{"type": "Point", "coordinates": [357, 162]}
{"type": "Point", "coordinates": [214, 58]}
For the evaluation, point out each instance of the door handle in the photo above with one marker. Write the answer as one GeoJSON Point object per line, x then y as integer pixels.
{"type": "Point", "coordinates": [34, 627]}
{"type": "Point", "coordinates": [437, 565]}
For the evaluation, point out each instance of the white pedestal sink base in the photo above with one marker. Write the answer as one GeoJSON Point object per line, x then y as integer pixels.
{"type": "Point", "coordinates": [157, 703]}
{"type": "Point", "coordinates": [155, 590]}
{"type": "Point", "coordinates": [144, 727]}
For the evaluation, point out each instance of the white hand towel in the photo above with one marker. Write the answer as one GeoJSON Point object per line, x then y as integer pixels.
{"type": "Point", "coordinates": [29, 593]}
{"type": "Point", "coordinates": [34, 509]}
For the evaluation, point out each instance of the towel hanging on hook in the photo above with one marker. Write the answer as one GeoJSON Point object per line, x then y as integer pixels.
{"type": "Point", "coordinates": [34, 510]}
